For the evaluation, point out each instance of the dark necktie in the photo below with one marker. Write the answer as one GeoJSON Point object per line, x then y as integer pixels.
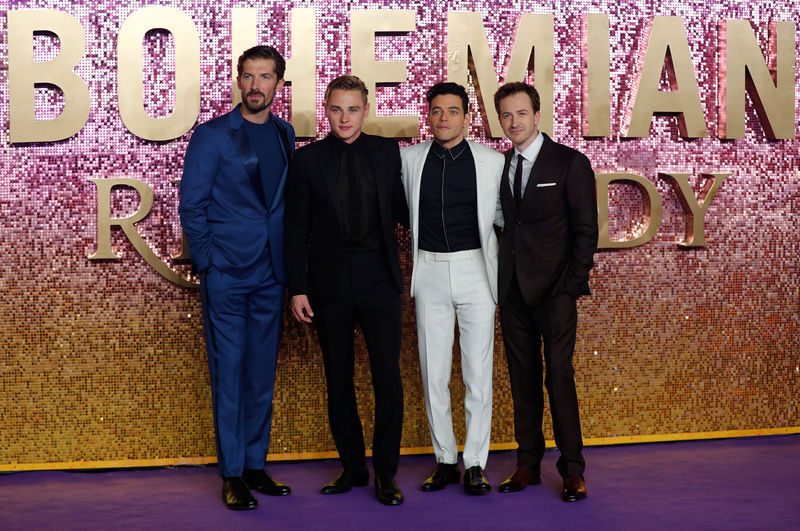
{"type": "Point", "coordinates": [518, 182]}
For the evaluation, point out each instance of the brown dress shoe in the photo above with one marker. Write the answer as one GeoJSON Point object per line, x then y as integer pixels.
{"type": "Point", "coordinates": [519, 479]}
{"type": "Point", "coordinates": [236, 495]}
{"type": "Point", "coordinates": [260, 481]}
{"type": "Point", "coordinates": [574, 488]}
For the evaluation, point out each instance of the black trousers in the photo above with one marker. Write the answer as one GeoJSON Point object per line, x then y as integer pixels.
{"type": "Point", "coordinates": [368, 297]}
{"type": "Point", "coordinates": [526, 329]}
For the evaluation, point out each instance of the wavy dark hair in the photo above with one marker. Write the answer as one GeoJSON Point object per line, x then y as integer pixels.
{"type": "Point", "coordinates": [263, 52]}
{"type": "Point", "coordinates": [448, 88]}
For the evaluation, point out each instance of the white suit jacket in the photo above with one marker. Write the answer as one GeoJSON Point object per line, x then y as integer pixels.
{"type": "Point", "coordinates": [488, 171]}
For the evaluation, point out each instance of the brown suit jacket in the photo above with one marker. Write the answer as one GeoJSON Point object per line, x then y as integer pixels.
{"type": "Point", "coordinates": [551, 240]}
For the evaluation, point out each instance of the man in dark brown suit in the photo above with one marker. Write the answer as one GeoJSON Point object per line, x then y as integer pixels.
{"type": "Point", "coordinates": [549, 207]}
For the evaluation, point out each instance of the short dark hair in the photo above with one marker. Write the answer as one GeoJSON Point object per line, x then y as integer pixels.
{"type": "Point", "coordinates": [263, 52]}
{"type": "Point", "coordinates": [509, 89]}
{"type": "Point", "coordinates": [448, 88]}
{"type": "Point", "coordinates": [347, 82]}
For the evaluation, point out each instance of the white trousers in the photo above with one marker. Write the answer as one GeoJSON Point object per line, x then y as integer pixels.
{"type": "Point", "coordinates": [450, 285]}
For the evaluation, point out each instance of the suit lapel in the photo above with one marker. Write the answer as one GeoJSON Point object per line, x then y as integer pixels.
{"type": "Point", "coordinates": [284, 136]}
{"type": "Point", "coordinates": [482, 186]}
{"type": "Point", "coordinates": [276, 189]}
{"type": "Point", "coordinates": [382, 186]}
{"type": "Point", "coordinates": [540, 168]}
{"type": "Point", "coordinates": [506, 195]}
{"type": "Point", "coordinates": [328, 170]}
{"type": "Point", "coordinates": [416, 181]}
{"type": "Point", "coordinates": [283, 132]}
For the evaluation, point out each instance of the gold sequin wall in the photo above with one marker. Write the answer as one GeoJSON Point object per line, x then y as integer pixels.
{"type": "Point", "coordinates": [102, 360]}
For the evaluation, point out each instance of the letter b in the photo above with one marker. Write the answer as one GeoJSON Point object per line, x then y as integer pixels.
{"type": "Point", "coordinates": [24, 73]}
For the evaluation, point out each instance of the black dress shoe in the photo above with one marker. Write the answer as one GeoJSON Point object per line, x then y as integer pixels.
{"type": "Point", "coordinates": [521, 478]}
{"type": "Point", "coordinates": [574, 488]}
{"type": "Point", "coordinates": [260, 481]}
{"type": "Point", "coordinates": [345, 481]}
{"type": "Point", "coordinates": [443, 474]}
{"type": "Point", "coordinates": [387, 490]}
{"type": "Point", "coordinates": [236, 495]}
{"type": "Point", "coordinates": [475, 481]}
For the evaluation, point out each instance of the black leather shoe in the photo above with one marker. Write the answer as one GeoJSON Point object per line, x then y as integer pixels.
{"type": "Point", "coordinates": [236, 495]}
{"type": "Point", "coordinates": [442, 475]}
{"type": "Point", "coordinates": [519, 479]}
{"type": "Point", "coordinates": [475, 481]}
{"type": "Point", "coordinates": [574, 488]}
{"type": "Point", "coordinates": [345, 481]}
{"type": "Point", "coordinates": [387, 490]}
{"type": "Point", "coordinates": [260, 481]}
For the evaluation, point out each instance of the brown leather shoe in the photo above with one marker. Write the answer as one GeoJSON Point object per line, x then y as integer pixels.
{"type": "Point", "coordinates": [574, 488]}
{"type": "Point", "coordinates": [521, 478]}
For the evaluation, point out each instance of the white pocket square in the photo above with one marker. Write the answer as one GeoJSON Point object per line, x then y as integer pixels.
{"type": "Point", "coordinates": [542, 185]}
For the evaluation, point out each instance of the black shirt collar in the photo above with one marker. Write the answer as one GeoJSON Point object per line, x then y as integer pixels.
{"type": "Point", "coordinates": [359, 144]}
{"type": "Point", "coordinates": [454, 152]}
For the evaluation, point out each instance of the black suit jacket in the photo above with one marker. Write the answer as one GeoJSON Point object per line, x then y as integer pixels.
{"type": "Point", "coordinates": [314, 245]}
{"type": "Point", "coordinates": [551, 241]}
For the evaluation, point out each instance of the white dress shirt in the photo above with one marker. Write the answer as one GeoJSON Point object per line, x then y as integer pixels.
{"type": "Point", "coordinates": [528, 160]}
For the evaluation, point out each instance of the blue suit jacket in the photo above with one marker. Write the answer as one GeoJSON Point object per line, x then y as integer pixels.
{"type": "Point", "coordinates": [226, 222]}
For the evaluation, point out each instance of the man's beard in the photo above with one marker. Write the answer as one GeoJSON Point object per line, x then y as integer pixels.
{"type": "Point", "coordinates": [254, 109]}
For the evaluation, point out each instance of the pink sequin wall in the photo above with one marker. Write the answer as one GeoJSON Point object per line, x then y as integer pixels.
{"type": "Point", "coordinates": [102, 362]}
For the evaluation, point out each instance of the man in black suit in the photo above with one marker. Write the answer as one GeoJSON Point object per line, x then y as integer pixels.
{"type": "Point", "coordinates": [343, 196]}
{"type": "Point", "coordinates": [549, 206]}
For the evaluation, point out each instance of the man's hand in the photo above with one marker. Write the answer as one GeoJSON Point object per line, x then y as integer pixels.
{"type": "Point", "coordinates": [301, 309]}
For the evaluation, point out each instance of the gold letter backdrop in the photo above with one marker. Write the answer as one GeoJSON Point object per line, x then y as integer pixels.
{"type": "Point", "coordinates": [692, 329]}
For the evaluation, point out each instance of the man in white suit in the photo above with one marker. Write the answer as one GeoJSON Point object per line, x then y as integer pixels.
{"type": "Point", "coordinates": [451, 188]}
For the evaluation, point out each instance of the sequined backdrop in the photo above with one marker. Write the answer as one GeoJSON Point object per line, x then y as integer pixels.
{"type": "Point", "coordinates": [104, 361]}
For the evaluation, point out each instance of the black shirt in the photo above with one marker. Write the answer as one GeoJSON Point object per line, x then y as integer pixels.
{"type": "Point", "coordinates": [356, 196]}
{"type": "Point", "coordinates": [448, 200]}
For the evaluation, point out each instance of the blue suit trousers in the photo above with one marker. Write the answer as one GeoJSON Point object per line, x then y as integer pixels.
{"type": "Point", "coordinates": [242, 320]}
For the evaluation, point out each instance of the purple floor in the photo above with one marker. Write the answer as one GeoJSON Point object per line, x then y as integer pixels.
{"type": "Point", "coordinates": [746, 483]}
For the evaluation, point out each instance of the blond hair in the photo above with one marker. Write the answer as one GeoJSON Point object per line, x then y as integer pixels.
{"type": "Point", "coordinates": [347, 82]}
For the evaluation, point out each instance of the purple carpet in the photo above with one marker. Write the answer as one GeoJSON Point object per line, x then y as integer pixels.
{"type": "Point", "coordinates": [748, 483]}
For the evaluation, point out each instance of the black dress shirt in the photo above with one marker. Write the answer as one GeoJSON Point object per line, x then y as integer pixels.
{"type": "Point", "coordinates": [356, 197]}
{"type": "Point", "coordinates": [448, 200]}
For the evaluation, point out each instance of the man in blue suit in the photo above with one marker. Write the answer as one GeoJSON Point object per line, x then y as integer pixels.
{"type": "Point", "coordinates": [231, 209]}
